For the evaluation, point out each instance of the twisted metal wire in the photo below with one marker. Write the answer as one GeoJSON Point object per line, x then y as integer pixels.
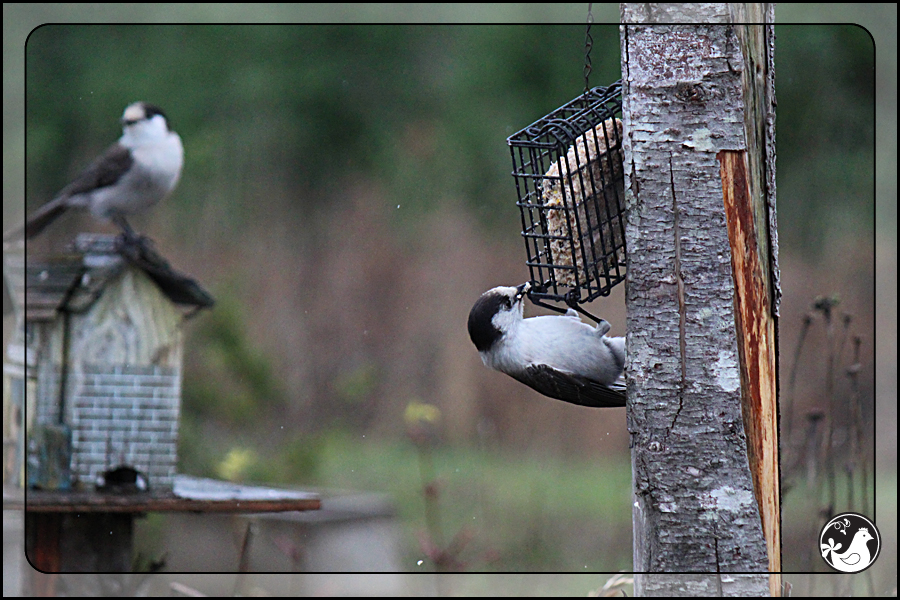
{"type": "Point", "coordinates": [588, 45]}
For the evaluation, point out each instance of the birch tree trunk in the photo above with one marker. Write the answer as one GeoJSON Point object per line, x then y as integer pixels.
{"type": "Point", "coordinates": [701, 306]}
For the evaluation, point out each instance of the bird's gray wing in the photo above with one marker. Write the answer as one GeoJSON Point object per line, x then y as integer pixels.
{"type": "Point", "coordinates": [572, 388]}
{"type": "Point", "coordinates": [104, 171]}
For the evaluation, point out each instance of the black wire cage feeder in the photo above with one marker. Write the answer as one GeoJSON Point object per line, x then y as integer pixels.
{"type": "Point", "coordinates": [568, 168]}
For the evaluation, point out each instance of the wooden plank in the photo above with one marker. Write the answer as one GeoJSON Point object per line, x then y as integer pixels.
{"type": "Point", "coordinates": [51, 502]}
{"type": "Point", "coordinates": [191, 494]}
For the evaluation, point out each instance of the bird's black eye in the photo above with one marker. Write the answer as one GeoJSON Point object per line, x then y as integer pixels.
{"type": "Point", "coordinates": [506, 302]}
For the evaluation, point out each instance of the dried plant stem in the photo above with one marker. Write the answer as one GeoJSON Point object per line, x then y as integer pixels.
{"type": "Point", "coordinates": [792, 379]}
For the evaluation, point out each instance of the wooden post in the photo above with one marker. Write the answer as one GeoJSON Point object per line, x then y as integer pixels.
{"type": "Point", "coordinates": [702, 297]}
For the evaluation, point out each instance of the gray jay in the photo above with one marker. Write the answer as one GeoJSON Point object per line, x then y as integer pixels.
{"type": "Point", "coordinates": [132, 175]}
{"type": "Point", "coordinates": [559, 356]}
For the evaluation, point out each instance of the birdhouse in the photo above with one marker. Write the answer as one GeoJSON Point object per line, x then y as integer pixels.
{"type": "Point", "coordinates": [97, 356]}
{"type": "Point", "coordinates": [569, 173]}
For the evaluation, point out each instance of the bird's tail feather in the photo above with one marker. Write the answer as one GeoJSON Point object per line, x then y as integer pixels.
{"type": "Point", "coordinates": [38, 221]}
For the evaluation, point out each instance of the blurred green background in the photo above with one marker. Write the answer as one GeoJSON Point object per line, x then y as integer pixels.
{"type": "Point", "coordinates": [346, 196]}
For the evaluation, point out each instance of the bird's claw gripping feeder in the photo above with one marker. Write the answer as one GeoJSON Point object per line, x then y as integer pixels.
{"type": "Point", "coordinates": [569, 173]}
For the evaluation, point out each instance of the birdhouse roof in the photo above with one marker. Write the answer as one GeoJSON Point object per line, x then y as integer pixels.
{"type": "Point", "coordinates": [44, 284]}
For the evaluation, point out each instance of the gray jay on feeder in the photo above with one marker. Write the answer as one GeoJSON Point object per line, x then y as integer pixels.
{"type": "Point", "coordinates": [559, 356]}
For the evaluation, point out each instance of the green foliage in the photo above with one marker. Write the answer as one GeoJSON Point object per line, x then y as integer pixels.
{"type": "Point", "coordinates": [825, 84]}
{"type": "Point", "coordinates": [196, 454]}
{"type": "Point", "coordinates": [525, 512]}
{"type": "Point", "coordinates": [232, 383]}
{"type": "Point", "coordinates": [352, 387]}
{"type": "Point", "coordinates": [287, 111]}
{"type": "Point", "coordinates": [285, 114]}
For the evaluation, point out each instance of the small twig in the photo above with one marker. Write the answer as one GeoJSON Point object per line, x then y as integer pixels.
{"type": "Point", "coordinates": [857, 452]}
{"type": "Point", "coordinates": [792, 379]}
{"type": "Point", "coordinates": [826, 305]}
{"type": "Point", "coordinates": [244, 560]}
{"type": "Point", "coordinates": [813, 479]}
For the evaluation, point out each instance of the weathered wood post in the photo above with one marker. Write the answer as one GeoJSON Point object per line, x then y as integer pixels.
{"type": "Point", "coordinates": [702, 297]}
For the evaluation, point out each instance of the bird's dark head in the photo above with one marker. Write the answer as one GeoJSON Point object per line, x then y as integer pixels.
{"type": "Point", "coordinates": [494, 313]}
{"type": "Point", "coordinates": [138, 112]}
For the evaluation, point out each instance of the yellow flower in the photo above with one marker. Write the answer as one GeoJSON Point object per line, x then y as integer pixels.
{"type": "Point", "coordinates": [235, 464]}
{"type": "Point", "coordinates": [418, 412]}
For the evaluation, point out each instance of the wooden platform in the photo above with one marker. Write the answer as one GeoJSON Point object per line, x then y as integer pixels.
{"type": "Point", "coordinates": [191, 494]}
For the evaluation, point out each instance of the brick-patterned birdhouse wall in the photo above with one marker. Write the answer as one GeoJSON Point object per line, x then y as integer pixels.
{"type": "Point", "coordinates": [125, 415]}
{"type": "Point", "coordinates": [123, 381]}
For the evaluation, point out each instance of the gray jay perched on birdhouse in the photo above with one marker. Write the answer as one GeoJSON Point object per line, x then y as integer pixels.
{"type": "Point", "coordinates": [132, 175]}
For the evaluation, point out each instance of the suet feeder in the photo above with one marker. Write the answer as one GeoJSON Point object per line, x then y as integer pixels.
{"type": "Point", "coordinates": [568, 168]}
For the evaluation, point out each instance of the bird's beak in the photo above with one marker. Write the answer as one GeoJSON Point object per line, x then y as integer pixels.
{"type": "Point", "coordinates": [523, 289]}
